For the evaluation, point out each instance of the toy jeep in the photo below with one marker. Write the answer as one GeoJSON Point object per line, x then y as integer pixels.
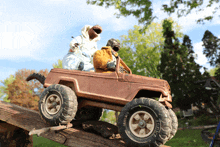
{"type": "Point", "coordinates": [80, 95]}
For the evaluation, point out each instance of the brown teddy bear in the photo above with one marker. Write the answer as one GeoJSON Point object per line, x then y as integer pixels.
{"type": "Point", "coordinates": [104, 60]}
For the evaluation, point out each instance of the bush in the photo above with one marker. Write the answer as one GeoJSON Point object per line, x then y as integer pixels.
{"type": "Point", "coordinates": [179, 114]}
{"type": "Point", "coordinates": [109, 116]}
{"type": "Point", "coordinates": [202, 119]}
{"type": "Point", "coordinates": [197, 121]}
{"type": "Point", "coordinates": [206, 120]}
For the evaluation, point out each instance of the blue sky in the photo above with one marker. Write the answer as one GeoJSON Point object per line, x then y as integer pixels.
{"type": "Point", "coordinates": [35, 34]}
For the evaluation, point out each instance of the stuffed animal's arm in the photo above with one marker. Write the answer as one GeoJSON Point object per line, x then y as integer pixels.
{"type": "Point", "coordinates": [74, 44]}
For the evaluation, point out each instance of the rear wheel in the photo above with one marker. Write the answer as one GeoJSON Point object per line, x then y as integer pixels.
{"type": "Point", "coordinates": [144, 122]}
{"type": "Point", "coordinates": [58, 104]}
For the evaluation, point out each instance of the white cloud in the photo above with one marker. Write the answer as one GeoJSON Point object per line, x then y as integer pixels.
{"type": "Point", "coordinates": [105, 16]}
{"type": "Point", "coordinates": [201, 59]}
{"type": "Point", "coordinates": [25, 35]}
{"type": "Point", "coordinates": [27, 31]}
{"type": "Point", "coordinates": [55, 2]}
{"type": "Point", "coordinates": [188, 22]}
{"type": "Point", "coordinates": [18, 40]}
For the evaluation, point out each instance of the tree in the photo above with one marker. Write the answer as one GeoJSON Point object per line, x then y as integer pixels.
{"type": "Point", "coordinates": [190, 5]}
{"type": "Point", "coordinates": [141, 52]}
{"type": "Point", "coordinates": [213, 71]}
{"type": "Point", "coordinates": [180, 70]}
{"type": "Point", "coordinates": [20, 92]}
{"type": "Point", "coordinates": [211, 49]}
{"type": "Point", "coordinates": [3, 89]}
{"type": "Point", "coordinates": [141, 9]}
{"type": "Point", "coordinates": [109, 116]}
{"type": "Point", "coordinates": [217, 74]}
{"type": "Point", "coordinates": [58, 64]}
{"type": "Point", "coordinates": [23, 93]}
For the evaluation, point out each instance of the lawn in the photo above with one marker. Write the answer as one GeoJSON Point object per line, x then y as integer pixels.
{"type": "Point", "coordinates": [189, 138]}
{"type": "Point", "coordinates": [44, 142]}
{"type": "Point", "coordinates": [183, 138]}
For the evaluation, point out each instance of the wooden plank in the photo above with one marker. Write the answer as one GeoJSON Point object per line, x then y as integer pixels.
{"type": "Point", "coordinates": [28, 119]}
{"type": "Point", "coordinates": [12, 136]}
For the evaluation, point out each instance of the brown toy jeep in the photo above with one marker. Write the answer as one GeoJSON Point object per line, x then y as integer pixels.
{"type": "Point", "coordinates": [80, 95]}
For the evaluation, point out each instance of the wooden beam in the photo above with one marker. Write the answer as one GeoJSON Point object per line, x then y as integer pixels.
{"type": "Point", "coordinates": [28, 120]}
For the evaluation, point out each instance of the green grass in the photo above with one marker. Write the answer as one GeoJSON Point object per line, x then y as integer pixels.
{"type": "Point", "coordinates": [189, 138]}
{"type": "Point", "coordinates": [44, 142]}
{"type": "Point", "coordinates": [183, 138]}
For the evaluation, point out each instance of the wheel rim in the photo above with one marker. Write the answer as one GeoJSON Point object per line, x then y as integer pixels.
{"type": "Point", "coordinates": [141, 124]}
{"type": "Point", "coordinates": [53, 104]}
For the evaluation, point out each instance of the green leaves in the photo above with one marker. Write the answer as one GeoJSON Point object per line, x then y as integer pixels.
{"type": "Point", "coordinates": [180, 70]}
{"type": "Point", "coordinates": [141, 9]}
{"type": "Point", "coordinates": [58, 64]}
{"type": "Point", "coordinates": [3, 89]}
{"type": "Point", "coordinates": [188, 6]}
{"type": "Point", "coordinates": [142, 51]}
{"type": "Point", "coordinates": [212, 48]}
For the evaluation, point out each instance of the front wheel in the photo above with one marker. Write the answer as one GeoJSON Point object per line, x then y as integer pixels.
{"type": "Point", "coordinates": [174, 123]}
{"type": "Point", "coordinates": [144, 122]}
{"type": "Point", "coordinates": [58, 104]}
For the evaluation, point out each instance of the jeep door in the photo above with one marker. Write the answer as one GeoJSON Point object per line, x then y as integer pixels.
{"type": "Point", "coordinates": [108, 87]}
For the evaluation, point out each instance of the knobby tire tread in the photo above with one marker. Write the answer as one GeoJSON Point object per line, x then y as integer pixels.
{"type": "Point", "coordinates": [69, 105]}
{"type": "Point", "coordinates": [36, 76]}
{"type": "Point", "coordinates": [162, 115]}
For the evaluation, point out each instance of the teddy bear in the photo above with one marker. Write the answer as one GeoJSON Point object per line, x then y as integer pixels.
{"type": "Point", "coordinates": [104, 60]}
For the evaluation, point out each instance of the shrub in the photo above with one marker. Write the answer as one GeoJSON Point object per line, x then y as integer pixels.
{"type": "Point", "coordinates": [179, 114]}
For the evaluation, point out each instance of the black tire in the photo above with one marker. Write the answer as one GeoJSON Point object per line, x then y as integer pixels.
{"type": "Point", "coordinates": [174, 123]}
{"type": "Point", "coordinates": [58, 104]}
{"type": "Point", "coordinates": [151, 115]}
{"type": "Point", "coordinates": [36, 76]}
{"type": "Point", "coordinates": [89, 113]}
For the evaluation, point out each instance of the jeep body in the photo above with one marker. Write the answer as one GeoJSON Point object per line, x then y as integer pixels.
{"type": "Point", "coordinates": [110, 90]}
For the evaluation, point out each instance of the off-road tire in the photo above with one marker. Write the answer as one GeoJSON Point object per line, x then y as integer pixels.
{"type": "Point", "coordinates": [36, 76]}
{"type": "Point", "coordinates": [174, 123]}
{"type": "Point", "coordinates": [62, 100]}
{"type": "Point", "coordinates": [156, 118]}
{"type": "Point", "coordinates": [89, 113]}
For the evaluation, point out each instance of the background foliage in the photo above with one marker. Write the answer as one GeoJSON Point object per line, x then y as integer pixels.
{"type": "Point", "coordinates": [179, 68]}
{"type": "Point", "coordinates": [142, 52]}
{"type": "Point", "coordinates": [20, 92]}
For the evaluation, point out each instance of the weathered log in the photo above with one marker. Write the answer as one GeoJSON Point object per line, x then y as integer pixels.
{"type": "Point", "coordinates": [28, 120]}
{"type": "Point", "coordinates": [105, 129]}
{"type": "Point", "coordinates": [12, 136]}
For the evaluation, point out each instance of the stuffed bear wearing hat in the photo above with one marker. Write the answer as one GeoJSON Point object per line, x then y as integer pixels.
{"type": "Point", "coordinates": [104, 60]}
